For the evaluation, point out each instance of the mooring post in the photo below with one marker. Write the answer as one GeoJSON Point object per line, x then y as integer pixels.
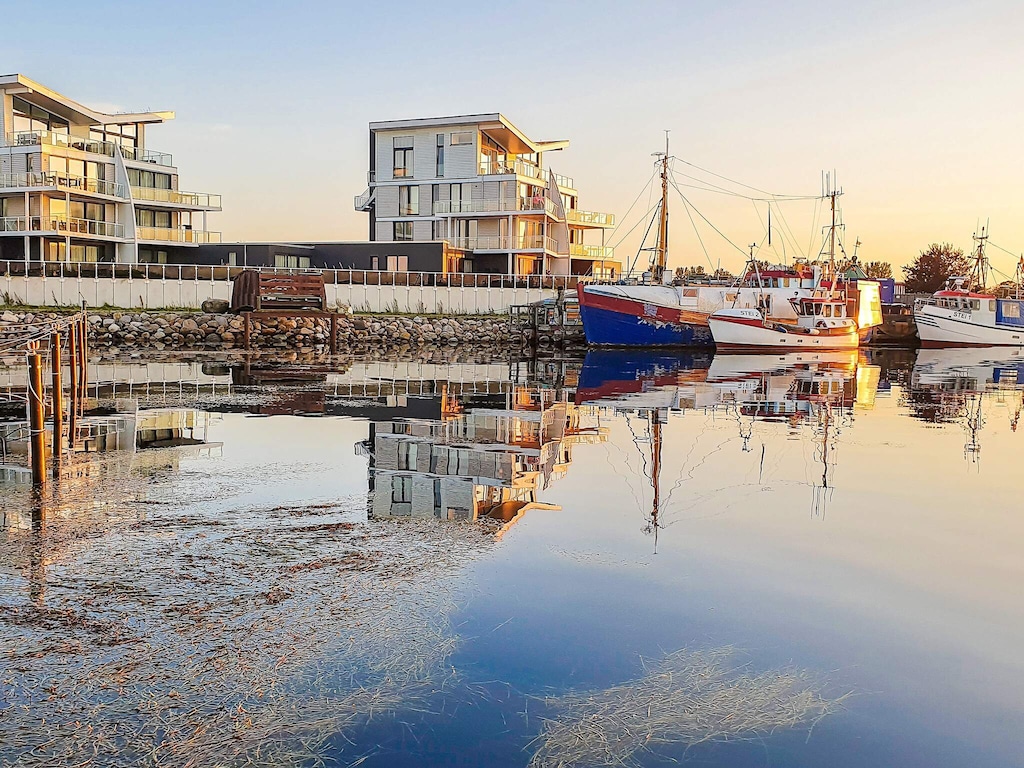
{"type": "Point", "coordinates": [73, 384]}
{"type": "Point", "coordinates": [83, 351]}
{"type": "Point", "coordinates": [58, 403]}
{"type": "Point", "coordinates": [37, 426]}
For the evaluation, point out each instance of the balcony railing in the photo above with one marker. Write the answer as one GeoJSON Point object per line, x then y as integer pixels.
{"type": "Point", "coordinates": [179, 235]}
{"type": "Point", "coordinates": [84, 144]}
{"type": "Point", "coordinates": [591, 251]}
{"type": "Point", "coordinates": [489, 167]}
{"type": "Point", "coordinates": [176, 197]}
{"type": "Point", "coordinates": [61, 225]}
{"type": "Point", "coordinates": [62, 181]}
{"type": "Point", "coordinates": [538, 203]}
{"type": "Point", "coordinates": [147, 156]}
{"type": "Point", "coordinates": [503, 243]}
{"type": "Point", "coordinates": [590, 218]}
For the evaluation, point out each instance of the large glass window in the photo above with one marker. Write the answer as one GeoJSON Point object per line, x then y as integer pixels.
{"type": "Point", "coordinates": [403, 230]}
{"type": "Point", "coordinates": [462, 137]}
{"type": "Point", "coordinates": [408, 201]}
{"type": "Point", "coordinates": [399, 264]}
{"type": "Point", "coordinates": [440, 155]}
{"type": "Point", "coordinates": [29, 117]}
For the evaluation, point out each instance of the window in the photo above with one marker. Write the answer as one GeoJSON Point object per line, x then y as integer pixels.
{"type": "Point", "coordinates": [149, 256]}
{"type": "Point", "coordinates": [439, 230]}
{"type": "Point", "coordinates": [1011, 309]}
{"type": "Point", "coordinates": [403, 154]}
{"type": "Point", "coordinates": [291, 261]}
{"type": "Point", "coordinates": [440, 154]}
{"type": "Point", "coordinates": [401, 489]}
{"type": "Point", "coordinates": [403, 230]}
{"type": "Point", "coordinates": [398, 264]}
{"type": "Point", "coordinates": [406, 454]}
{"type": "Point", "coordinates": [233, 259]}
{"type": "Point", "coordinates": [375, 263]}
{"type": "Point", "coordinates": [408, 201]}
{"type": "Point", "coordinates": [462, 137]}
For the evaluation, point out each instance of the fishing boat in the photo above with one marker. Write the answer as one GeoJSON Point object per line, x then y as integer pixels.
{"type": "Point", "coordinates": [822, 318]}
{"type": "Point", "coordinates": [656, 311]}
{"type": "Point", "coordinates": [964, 314]}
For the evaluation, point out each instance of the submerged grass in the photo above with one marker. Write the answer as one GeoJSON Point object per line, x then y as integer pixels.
{"type": "Point", "coordinates": [163, 635]}
{"type": "Point", "coordinates": [688, 698]}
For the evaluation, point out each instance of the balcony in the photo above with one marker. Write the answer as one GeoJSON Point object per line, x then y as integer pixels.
{"type": "Point", "coordinates": [590, 218]}
{"type": "Point", "coordinates": [140, 155]}
{"type": "Point", "coordinates": [66, 181]}
{"type": "Point", "coordinates": [504, 243]}
{"type": "Point", "coordinates": [179, 235]}
{"type": "Point", "coordinates": [61, 225]}
{"type": "Point", "coordinates": [364, 201]}
{"type": "Point", "coordinates": [535, 204]}
{"type": "Point", "coordinates": [177, 197]}
{"type": "Point", "coordinates": [84, 144]}
{"type": "Point", "coordinates": [595, 252]}
{"type": "Point", "coordinates": [518, 167]}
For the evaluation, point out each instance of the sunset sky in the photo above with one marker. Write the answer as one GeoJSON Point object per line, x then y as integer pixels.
{"type": "Point", "coordinates": [916, 105]}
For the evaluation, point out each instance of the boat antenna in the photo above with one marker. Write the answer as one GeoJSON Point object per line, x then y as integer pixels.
{"type": "Point", "coordinates": [662, 249]}
{"type": "Point", "coordinates": [980, 272]}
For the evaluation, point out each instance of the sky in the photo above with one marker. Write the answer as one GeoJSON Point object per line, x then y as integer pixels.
{"type": "Point", "coordinates": [914, 105]}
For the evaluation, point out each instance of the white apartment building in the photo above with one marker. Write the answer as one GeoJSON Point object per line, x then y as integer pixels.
{"type": "Point", "coordinates": [480, 184]}
{"type": "Point", "coordinates": [82, 186]}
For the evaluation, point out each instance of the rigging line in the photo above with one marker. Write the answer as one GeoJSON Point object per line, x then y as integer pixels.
{"type": "Point", "coordinates": [737, 183]}
{"type": "Point", "coordinates": [730, 242]}
{"type": "Point", "coordinates": [633, 228]}
{"type": "Point", "coordinates": [1011, 253]}
{"type": "Point", "coordinates": [709, 187]}
{"type": "Point", "coordinates": [787, 230]}
{"type": "Point", "coordinates": [700, 240]}
{"type": "Point", "coordinates": [642, 242]}
{"type": "Point", "coordinates": [635, 201]}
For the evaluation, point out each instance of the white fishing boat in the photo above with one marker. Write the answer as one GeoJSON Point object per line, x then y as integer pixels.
{"type": "Point", "coordinates": [822, 318]}
{"type": "Point", "coordinates": [964, 314]}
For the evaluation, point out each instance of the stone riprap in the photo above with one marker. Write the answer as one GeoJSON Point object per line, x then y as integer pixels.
{"type": "Point", "coordinates": [162, 330]}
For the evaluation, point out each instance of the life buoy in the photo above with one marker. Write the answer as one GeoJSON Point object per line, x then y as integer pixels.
{"type": "Point", "coordinates": [821, 324]}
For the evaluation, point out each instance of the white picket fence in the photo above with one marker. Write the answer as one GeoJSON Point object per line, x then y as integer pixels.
{"type": "Point", "coordinates": [172, 286]}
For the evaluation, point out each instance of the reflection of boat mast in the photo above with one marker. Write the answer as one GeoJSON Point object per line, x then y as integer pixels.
{"type": "Point", "coordinates": [655, 477]}
{"type": "Point", "coordinates": [973, 423]}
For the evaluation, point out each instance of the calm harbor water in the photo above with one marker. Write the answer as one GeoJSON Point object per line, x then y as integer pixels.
{"type": "Point", "coordinates": [733, 560]}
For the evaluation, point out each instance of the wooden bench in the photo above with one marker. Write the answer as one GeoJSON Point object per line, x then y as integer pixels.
{"type": "Point", "coordinates": [269, 294]}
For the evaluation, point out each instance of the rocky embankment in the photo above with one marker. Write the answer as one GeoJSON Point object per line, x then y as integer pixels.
{"type": "Point", "coordinates": [190, 330]}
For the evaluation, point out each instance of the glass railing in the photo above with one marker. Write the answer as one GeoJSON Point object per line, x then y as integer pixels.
{"type": "Point", "coordinates": [591, 251]}
{"type": "Point", "coordinates": [85, 144]}
{"type": "Point", "coordinates": [504, 243]}
{"type": "Point", "coordinates": [491, 167]}
{"type": "Point", "coordinates": [590, 218]}
{"type": "Point", "coordinates": [51, 139]}
{"type": "Point", "coordinates": [147, 156]}
{"type": "Point", "coordinates": [63, 181]}
{"type": "Point", "coordinates": [179, 235]}
{"type": "Point", "coordinates": [538, 203]}
{"type": "Point", "coordinates": [61, 225]}
{"type": "Point", "coordinates": [176, 197]}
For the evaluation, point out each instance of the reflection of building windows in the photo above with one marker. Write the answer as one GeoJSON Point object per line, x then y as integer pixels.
{"type": "Point", "coordinates": [403, 157]}
{"type": "Point", "coordinates": [401, 489]}
{"type": "Point", "coordinates": [403, 230]}
{"type": "Point", "coordinates": [406, 454]}
{"type": "Point", "coordinates": [408, 201]}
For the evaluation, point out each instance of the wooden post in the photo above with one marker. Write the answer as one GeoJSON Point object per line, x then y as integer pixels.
{"type": "Point", "coordinates": [37, 426]}
{"type": "Point", "coordinates": [58, 403]}
{"type": "Point", "coordinates": [334, 333]}
{"type": "Point", "coordinates": [73, 388]}
{"type": "Point", "coordinates": [83, 351]}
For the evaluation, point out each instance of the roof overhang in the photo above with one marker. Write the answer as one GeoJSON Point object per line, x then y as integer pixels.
{"type": "Point", "coordinates": [494, 124]}
{"type": "Point", "coordinates": [69, 109]}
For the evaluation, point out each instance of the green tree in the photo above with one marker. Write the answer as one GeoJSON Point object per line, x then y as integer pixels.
{"type": "Point", "coordinates": [933, 266]}
{"type": "Point", "coordinates": [879, 270]}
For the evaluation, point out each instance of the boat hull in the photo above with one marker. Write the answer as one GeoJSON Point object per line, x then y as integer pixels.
{"type": "Point", "coordinates": [741, 332]}
{"type": "Point", "coordinates": [611, 321]}
{"type": "Point", "coordinates": [938, 327]}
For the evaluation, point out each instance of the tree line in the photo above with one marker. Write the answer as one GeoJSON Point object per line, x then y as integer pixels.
{"type": "Point", "coordinates": [927, 273]}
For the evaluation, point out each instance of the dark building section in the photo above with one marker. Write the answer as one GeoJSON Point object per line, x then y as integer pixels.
{"type": "Point", "coordinates": [408, 256]}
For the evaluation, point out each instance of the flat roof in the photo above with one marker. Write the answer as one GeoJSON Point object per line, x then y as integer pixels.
{"type": "Point", "coordinates": [69, 109]}
{"type": "Point", "coordinates": [494, 124]}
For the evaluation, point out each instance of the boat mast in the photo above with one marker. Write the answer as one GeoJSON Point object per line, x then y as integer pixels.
{"type": "Point", "coordinates": [662, 250]}
{"type": "Point", "coordinates": [980, 267]}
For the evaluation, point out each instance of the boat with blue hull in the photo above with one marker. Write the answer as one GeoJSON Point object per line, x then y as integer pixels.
{"type": "Point", "coordinates": [613, 317]}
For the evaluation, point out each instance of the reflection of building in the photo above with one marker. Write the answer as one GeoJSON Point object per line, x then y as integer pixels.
{"type": "Point", "coordinates": [487, 462]}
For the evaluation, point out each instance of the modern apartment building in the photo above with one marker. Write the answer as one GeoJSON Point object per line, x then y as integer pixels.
{"type": "Point", "coordinates": [481, 185]}
{"type": "Point", "coordinates": [80, 185]}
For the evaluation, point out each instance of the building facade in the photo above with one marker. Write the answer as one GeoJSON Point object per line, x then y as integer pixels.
{"type": "Point", "coordinates": [82, 186]}
{"type": "Point", "coordinates": [479, 184]}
